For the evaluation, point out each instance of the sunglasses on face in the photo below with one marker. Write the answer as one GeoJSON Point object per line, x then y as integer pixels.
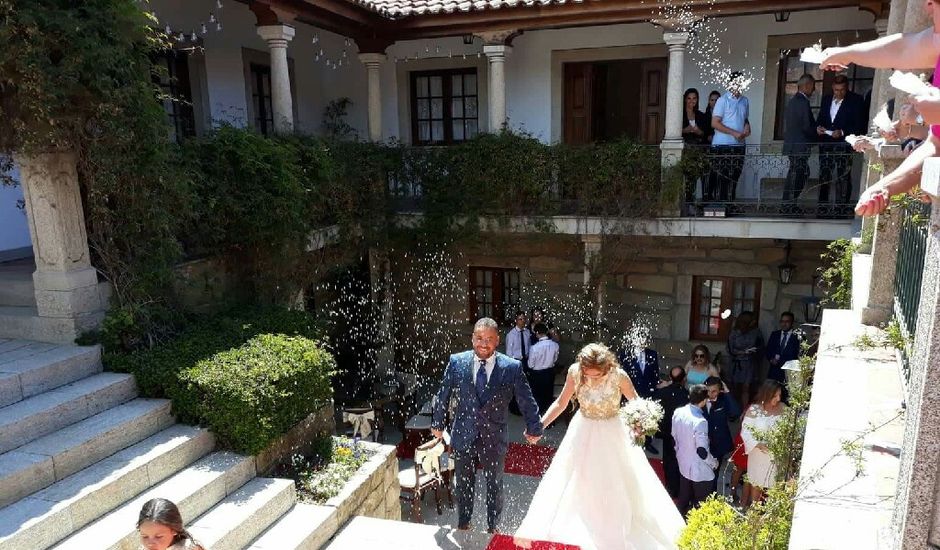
{"type": "Point", "coordinates": [699, 356]}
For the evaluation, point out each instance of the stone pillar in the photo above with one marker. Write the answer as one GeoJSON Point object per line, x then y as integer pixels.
{"type": "Point", "coordinates": [915, 16]}
{"type": "Point", "coordinates": [380, 277]}
{"type": "Point", "coordinates": [65, 283]}
{"type": "Point", "coordinates": [916, 514]}
{"type": "Point", "coordinates": [879, 92]}
{"type": "Point", "coordinates": [884, 252]}
{"type": "Point", "coordinates": [672, 142]}
{"type": "Point", "coordinates": [496, 56]}
{"type": "Point", "coordinates": [373, 62]}
{"type": "Point", "coordinates": [277, 37]}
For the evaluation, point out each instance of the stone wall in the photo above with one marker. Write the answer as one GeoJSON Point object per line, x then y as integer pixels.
{"type": "Point", "coordinates": [643, 276]}
{"type": "Point", "coordinates": [298, 439]}
{"type": "Point", "coordinates": [372, 492]}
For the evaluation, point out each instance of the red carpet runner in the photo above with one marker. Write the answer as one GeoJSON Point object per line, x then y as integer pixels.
{"type": "Point", "coordinates": [533, 460]}
{"type": "Point", "coordinates": [504, 542]}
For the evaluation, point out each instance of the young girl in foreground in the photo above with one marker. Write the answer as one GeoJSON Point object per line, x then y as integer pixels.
{"type": "Point", "coordinates": [161, 527]}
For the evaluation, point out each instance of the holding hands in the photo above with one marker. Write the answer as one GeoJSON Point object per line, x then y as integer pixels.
{"type": "Point", "coordinates": [532, 439]}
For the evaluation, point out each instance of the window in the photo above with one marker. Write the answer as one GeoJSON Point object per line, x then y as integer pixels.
{"type": "Point", "coordinates": [713, 295]}
{"type": "Point", "coordinates": [791, 69]}
{"type": "Point", "coordinates": [494, 292]}
{"type": "Point", "coordinates": [173, 79]}
{"type": "Point", "coordinates": [261, 98]}
{"type": "Point", "coordinates": [444, 106]}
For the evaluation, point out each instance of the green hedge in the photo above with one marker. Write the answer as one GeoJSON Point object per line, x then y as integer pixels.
{"type": "Point", "coordinates": [249, 376]}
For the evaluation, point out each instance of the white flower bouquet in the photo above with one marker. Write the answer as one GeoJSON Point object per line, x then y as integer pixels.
{"type": "Point", "coordinates": [642, 417]}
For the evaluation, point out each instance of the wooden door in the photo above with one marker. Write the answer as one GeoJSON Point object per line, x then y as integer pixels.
{"type": "Point", "coordinates": [578, 108]}
{"type": "Point", "coordinates": [653, 100]}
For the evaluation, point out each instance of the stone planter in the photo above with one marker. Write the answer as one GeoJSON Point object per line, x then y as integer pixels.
{"type": "Point", "coordinates": [297, 440]}
{"type": "Point", "coordinates": [373, 492]}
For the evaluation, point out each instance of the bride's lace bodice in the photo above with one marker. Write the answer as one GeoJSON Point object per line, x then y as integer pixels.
{"type": "Point", "coordinates": [598, 398]}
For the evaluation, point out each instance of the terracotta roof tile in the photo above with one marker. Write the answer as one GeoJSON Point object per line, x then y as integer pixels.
{"type": "Point", "coordinates": [397, 9]}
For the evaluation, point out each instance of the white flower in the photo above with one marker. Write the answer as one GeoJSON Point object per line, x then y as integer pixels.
{"type": "Point", "coordinates": [642, 416]}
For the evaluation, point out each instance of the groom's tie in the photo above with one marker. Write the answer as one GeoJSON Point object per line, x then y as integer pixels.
{"type": "Point", "coordinates": [481, 380]}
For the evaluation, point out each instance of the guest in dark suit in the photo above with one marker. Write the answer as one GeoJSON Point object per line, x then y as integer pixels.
{"type": "Point", "coordinates": [799, 135]}
{"type": "Point", "coordinates": [642, 366]}
{"type": "Point", "coordinates": [483, 381]}
{"type": "Point", "coordinates": [720, 411]}
{"type": "Point", "coordinates": [841, 114]}
{"type": "Point", "coordinates": [782, 346]}
{"type": "Point", "coordinates": [671, 394]}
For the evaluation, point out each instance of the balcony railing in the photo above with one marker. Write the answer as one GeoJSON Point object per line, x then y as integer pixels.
{"type": "Point", "coordinates": [762, 181]}
{"type": "Point", "coordinates": [607, 179]}
{"type": "Point", "coordinates": [909, 270]}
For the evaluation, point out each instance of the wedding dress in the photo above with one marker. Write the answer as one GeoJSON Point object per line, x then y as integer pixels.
{"type": "Point", "coordinates": [600, 492]}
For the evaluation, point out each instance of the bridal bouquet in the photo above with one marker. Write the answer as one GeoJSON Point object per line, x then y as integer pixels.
{"type": "Point", "coordinates": [642, 417]}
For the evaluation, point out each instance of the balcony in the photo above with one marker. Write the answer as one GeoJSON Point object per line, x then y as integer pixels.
{"type": "Point", "coordinates": [582, 189]}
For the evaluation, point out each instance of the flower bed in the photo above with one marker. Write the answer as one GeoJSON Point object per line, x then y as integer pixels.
{"type": "Point", "coordinates": [322, 476]}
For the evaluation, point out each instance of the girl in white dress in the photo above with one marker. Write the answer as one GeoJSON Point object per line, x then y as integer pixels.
{"type": "Point", "coordinates": [600, 492]}
{"type": "Point", "coordinates": [761, 417]}
{"type": "Point", "coordinates": [160, 526]}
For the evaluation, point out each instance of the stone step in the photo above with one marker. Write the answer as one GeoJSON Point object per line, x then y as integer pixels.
{"type": "Point", "coordinates": [25, 322]}
{"type": "Point", "coordinates": [36, 367]}
{"type": "Point", "coordinates": [60, 454]}
{"type": "Point", "coordinates": [297, 529]}
{"type": "Point", "coordinates": [50, 515]}
{"type": "Point", "coordinates": [194, 490]}
{"type": "Point", "coordinates": [243, 515]}
{"type": "Point", "coordinates": [16, 286]}
{"type": "Point", "coordinates": [53, 410]}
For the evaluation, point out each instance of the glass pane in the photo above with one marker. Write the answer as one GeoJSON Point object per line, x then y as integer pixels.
{"type": "Point", "coordinates": [456, 108]}
{"type": "Point", "coordinates": [470, 84]}
{"type": "Point", "coordinates": [715, 310]}
{"type": "Point", "coordinates": [456, 85]}
{"type": "Point", "coordinates": [424, 111]}
{"type": "Point", "coordinates": [437, 108]}
{"type": "Point", "coordinates": [478, 294]}
{"type": "Point", "coordinates": [437, 86]}
{"type": "Point", "coordinates": [422, 86]}
{"type": "Point", "coordinates": [266, 82]}
{"type": "Point", "coordinates": [488, 277]}
{"type": "Point", "coordinates": [479, 277]}
{"type": "Point", "coordinates": [471, 128]}
{"type": "Point", "coordinates": [703, 325]}
{"type": "Point", "coordinates": [471, 106]}
{"type": "Point", "coordinates": [739, 290]}
{"type": "Point", "coordinates": [714, 325]}
{"type": "Point", "coordinates": [750, 291]}
{"type": "Point", "coordinates": [703, 308]}
{"type": "Point", "coordinates": [424, 131]}
{"type": "Point", "coordinates": [458, 130]}
{"type": "Point", "coordinates": [437, 130]}
{"type": "Point", "coordinates": [795, 69]}
{"type": "Point", "coordinates": [716, 288]}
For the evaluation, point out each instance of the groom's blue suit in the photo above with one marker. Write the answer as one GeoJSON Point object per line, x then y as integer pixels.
{"type": "Point", "coordinates": [479, 426]}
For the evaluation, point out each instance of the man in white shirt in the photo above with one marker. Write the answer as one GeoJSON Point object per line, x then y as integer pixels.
{"type": "Point", "coordinates": [696, 463]}
{"type": "Point", "coordinates": [841, 113]}
{"type": "Point", "coordinates": [518, 343]}
{"type": "Point", "coordinates": [731, 125]}
{"type": "Point", "coordinates": [542, 359]}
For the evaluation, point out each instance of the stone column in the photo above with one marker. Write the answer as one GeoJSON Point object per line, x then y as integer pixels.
{"type": "Point", "coordinates": [884, 252]}
{"type": "Point", "coordinates": [65, 283]}
{"type": "Point", "coordinates": [496, 56]}
{"type": "Point", "coordinates": [672, 143]}
{"type": "Point", "coordinates": [916, 514]}
{"type": "Point", "coordinates": [373, 62]}
{"type": "Point", "coordinates": [277, 37]}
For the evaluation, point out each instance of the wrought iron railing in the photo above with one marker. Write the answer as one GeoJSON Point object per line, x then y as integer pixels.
{"type": "Point", "coordinates": [560, 180]}
{"type": "Point", "coordinates": [762, 181]}
{"type": "Point", "coordinates": [909, 271]}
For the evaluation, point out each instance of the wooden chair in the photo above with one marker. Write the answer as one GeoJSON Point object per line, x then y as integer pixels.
{"type": "Point", "coordinates": [425, 476]}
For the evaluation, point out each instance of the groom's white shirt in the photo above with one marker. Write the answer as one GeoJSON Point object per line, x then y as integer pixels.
{"type": "Point", "coordinates": [490, 365]}
{"type": "Point", "coordinates": [690, 431]}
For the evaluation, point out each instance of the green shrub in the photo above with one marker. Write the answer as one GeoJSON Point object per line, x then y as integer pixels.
{"type": "Point", "coordinates": [715, 525]}
{"type": "Point", "coordinates": [172, 370]}
{"type": "Point", "coordinates": [836, 276]}
{"type": "Point", "coordinates": [254, 393]}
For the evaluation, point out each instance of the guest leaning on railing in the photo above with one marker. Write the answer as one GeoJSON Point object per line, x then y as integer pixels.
{"type": "Point", "coordinates": [909, 51]}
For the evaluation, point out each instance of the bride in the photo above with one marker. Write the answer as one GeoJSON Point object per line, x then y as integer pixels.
{"type": "Point", "coordinates": [600, 492]}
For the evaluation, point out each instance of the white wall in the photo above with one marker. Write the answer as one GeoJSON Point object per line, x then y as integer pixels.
{"type": "Point", "coordinates": [529, 68]}
{"type": "Point", "coordinates": [14, 229]}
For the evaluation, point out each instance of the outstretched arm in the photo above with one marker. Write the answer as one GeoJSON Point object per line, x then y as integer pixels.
{"type": "Point", "coordinates": [560, 403]}
{"type": "Point", "coordinates": [443, 398]}
{"type": "Point", "coordinates": [899, 51]}
{"type": "Point", "coordinates": [876, 198]}
{"type": "Point", "coordinates": [527, 404]}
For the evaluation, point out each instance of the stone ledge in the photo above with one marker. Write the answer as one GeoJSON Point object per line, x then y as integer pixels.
{"type": "Point", "coordinates": [835, 511]}
{"type": "Point", "coordinates": [297, 440]}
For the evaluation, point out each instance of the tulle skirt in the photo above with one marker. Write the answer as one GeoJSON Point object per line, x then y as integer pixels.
{"type": "Point", "coordinates": [600, 493]}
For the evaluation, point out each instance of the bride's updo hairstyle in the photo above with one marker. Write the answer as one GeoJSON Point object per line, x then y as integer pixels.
{"type": "Point", "coordinates": [595, 356]}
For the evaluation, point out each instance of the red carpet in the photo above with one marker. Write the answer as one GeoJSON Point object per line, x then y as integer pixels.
{"type": "Point", "coordinates": [504, 542]}
{"type": "Point", "coordinates": [528, 460]}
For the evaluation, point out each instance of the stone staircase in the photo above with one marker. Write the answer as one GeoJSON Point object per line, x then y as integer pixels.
{"type": "Point", "coordinates": [80, 453]}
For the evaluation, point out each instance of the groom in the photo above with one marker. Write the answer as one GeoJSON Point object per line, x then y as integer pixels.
{"type": "Point", "coordinates": [484, 382]}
